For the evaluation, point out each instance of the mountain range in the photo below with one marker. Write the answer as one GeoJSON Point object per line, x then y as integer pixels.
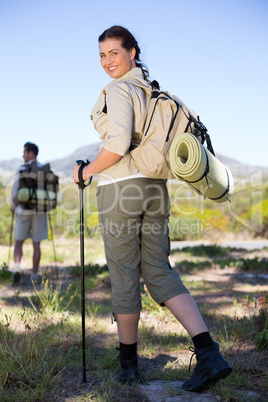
{"type": "Point", "coordinates": [65, 165]}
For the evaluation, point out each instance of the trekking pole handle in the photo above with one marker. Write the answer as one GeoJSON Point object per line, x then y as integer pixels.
{"type": "Point", "coordinates": [82, 164]}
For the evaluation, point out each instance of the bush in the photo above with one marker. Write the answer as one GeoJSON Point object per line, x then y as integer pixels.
{"type": "Point", "coordinates": [89, 269]}
{"type": "Point", "coordinates": [206, 251]}
{"type": "Point", "coordinates": [5, 224]}
{"type": "Point", "coordinates": [5, 274]}
{"type": "Point", "coordinates": [93, 224]}
{"type": "Point", "coordinates": [253, 264]}
{"type": "Point", "coordinates": [192, 266]}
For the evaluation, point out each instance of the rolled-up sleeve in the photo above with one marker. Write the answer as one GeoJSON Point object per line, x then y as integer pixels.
{"type": "Point", "coordinates": [120, 118]}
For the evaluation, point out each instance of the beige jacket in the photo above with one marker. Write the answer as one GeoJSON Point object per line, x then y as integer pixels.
{"type": "Point", "coordinates": [123, 123]}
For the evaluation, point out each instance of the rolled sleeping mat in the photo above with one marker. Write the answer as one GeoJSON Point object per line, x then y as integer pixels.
{"type": "Point", "coordinates": [202, 171]}
{"type": "Point", "coordinates": [44, 197]}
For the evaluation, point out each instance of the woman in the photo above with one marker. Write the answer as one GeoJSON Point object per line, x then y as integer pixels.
{"type": "Point", "coordinates": [134, 212]}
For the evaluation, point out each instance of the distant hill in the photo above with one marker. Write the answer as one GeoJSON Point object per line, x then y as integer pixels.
{"type": "Point", "coordinates": [63, 165]}
{"type": "Point", "coordinates": [66, 164]}
{"type": "Point", "coordinates": [11, 164]}
{"type": "Point", "coordinates": [240, 169]}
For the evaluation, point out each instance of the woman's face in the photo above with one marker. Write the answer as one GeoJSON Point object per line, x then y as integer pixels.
{"type": "Point", "coordinates": [115, 59]}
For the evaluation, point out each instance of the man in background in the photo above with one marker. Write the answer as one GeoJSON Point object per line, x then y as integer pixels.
{"type": "Point", "coordinates": [29, 223]}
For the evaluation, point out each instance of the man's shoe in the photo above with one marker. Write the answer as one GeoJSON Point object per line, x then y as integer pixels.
{"type": "Point", "coordinates": [36, 279]}
{"type": "Point", "coordinates": [210, 368]}
{"type": "Point", "coordinates": [16, 279]}
{"type": "Point", "coordinates": [129, 372]}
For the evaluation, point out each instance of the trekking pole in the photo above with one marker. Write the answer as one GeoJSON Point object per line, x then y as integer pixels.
{"type": "Point", "coordinates": [53, 245]}
{"type": "Point", "coordinates": [10, 238]}
{"type": "Point", "coordinates": [81, 186]}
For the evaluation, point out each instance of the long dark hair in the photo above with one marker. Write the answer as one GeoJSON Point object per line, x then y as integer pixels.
{"type": "Point", "coordinates": [128, 42]}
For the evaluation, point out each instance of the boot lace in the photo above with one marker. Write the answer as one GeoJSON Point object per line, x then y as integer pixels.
{"type": "Point", "coordinates": [194, 353]}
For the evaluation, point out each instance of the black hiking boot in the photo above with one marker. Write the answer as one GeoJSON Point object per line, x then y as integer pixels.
{"type": "Point", "coordinates": [129, 372]}
{"type": "Point", "coordinates": [210, 368]}
{"type": "Point", "coordinates": [16, 279]}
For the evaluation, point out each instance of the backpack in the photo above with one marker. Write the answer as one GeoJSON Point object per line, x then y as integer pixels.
{"type": "Point", "coordinates": [38, 187]}
{"type": "Point", "coordinates": [167, 117]}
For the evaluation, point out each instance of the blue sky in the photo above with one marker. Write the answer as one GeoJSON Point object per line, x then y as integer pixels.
{"type": "Point", "coordinates": [210, 53]}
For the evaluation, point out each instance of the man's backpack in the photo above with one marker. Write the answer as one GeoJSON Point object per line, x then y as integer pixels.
{"type": "Point", "coordinates": [38, 187]}
{"type": "Point", "coordinates": [167, 118]}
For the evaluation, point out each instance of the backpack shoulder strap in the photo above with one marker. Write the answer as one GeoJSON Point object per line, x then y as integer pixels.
{"type": "Point", "coordinates": [155, 92]}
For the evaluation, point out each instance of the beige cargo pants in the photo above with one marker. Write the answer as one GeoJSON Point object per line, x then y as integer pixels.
{"type": "Point", "coordinates": [133, 217]}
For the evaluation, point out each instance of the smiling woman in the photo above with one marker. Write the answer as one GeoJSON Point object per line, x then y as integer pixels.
{"type": "Point", "coordinates": [134, 211]}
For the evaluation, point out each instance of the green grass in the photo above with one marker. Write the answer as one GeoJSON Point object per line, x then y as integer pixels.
{"type": "Point", "coordinates": [40, 338]}
{"type": "Point", "coordinates": [192, 266]}
{"type": "Point", "coordinates": [31, 367]}
{"type": "Point", "coordinates": [89, 269]}
{"type": "Point", "coordinates": [153, 341]}
{"type": "Point", "coordinates": [215, 255]}
{"type": "Point", "coordinates": [207, 251]}
{"type": "Point", "coordinates": [49, 299]}
{"type": "Point", "coordinates": [245, 264]}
